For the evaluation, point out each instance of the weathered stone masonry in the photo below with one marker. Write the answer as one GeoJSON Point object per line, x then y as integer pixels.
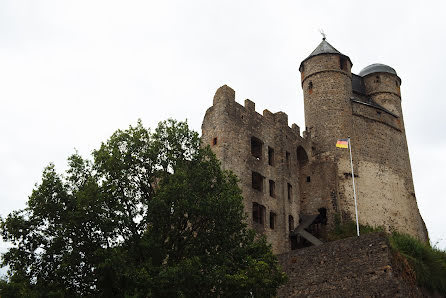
{"type": "Point", "coordinates": [286, 177]}
{"type": "Point", "coordinates": [354, 267]}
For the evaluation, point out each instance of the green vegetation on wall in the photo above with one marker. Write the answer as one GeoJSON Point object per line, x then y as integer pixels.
{"type": "Point", "coordinates": [429, 263]}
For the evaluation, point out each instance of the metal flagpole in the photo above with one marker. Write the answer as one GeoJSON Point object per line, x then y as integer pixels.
{"type": "Point", "coordinates": [354, 190]}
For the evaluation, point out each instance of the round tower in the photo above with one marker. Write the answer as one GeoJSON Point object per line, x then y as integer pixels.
{"type": "Point", "coordinates": [382, 85]}
{"type": "Point", "coordinates": [327, 86]}
{"type": "Point", "coordinates": [385, 164]}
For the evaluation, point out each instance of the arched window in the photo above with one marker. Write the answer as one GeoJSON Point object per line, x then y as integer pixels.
{"type": "Point", "coordinates": [302, 157]}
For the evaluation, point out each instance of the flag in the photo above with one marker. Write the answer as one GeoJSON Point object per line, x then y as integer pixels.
{"type": "Point", "coordinates": [342, 143]}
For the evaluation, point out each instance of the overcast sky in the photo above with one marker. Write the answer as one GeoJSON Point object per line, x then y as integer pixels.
{"type": "Point", "coordinates": [72, 72]}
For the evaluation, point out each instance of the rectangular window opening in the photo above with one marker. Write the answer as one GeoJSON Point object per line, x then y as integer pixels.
{"type": "Point", "coordinates": [343, 63]}
{"type": "Point", "coordinates": [272, 220]}
{"type": "Point", "coordinates": [290, 191]}
{"type": "Point", "coordinates": [214, 141]}
{"type": "Point", "coordinates": [290, 223]}
{"type": "Point", "coordinates": [257, 181]}
{"type": "Point", "coordinates": [272, 188]}
{"type": "Point", "coordinates": [256, 148]}
{"type": "Point", "coordinates": [287, 159]}
{"type": "Point", "coordinates": [308, 179]}
{"type": "Point", "coordinates": [270, 156]}
{"type": "Point", "coordinates": [258, 213]}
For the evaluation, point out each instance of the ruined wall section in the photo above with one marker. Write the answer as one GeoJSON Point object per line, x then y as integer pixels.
{"type": "Point", "coordinates": [228, 128]}
{"type": "Point", "coordinates": [318, 181]}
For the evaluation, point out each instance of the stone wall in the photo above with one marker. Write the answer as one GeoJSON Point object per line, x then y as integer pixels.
{"type": "Point", "coordinates": [318, 185]}
{"type": "Point", "coordinates": [374, 121]}
{"type": "Point", "coordinates": [310, 168]}
{"type": "Point", "coordinates": [228, 128]}
{"type": "Point", "coordinates": [355, 267]}
{"type": "Point", "coordinates": [386, 195]}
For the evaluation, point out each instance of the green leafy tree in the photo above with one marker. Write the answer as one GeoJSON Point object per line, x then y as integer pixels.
{"type": "Point", "coordinates": [152, 215]}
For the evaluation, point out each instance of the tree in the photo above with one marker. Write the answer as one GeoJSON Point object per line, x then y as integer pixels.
{"type": "Point", "coordinates": [152, 215]}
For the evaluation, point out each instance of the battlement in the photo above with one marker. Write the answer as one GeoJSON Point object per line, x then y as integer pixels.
{"type": "Point", "coordinates": [286, 177]}
{"type": "Point", "coordinates": [225, 98]}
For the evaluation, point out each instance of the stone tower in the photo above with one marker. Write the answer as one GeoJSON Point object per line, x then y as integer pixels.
{"type": "Point", "coordinates": [295, 186]}
{"type": "Point", "coordinates": [367, 108]}
{"type": "Point", "coordinates": [327, 86]}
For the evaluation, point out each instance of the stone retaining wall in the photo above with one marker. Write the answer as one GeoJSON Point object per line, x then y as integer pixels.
{"type": "Point", "coordinates": [353, 267]}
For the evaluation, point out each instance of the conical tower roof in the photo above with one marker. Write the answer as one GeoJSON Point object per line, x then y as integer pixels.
{"type": "Point", "coordinates": [322, 49]}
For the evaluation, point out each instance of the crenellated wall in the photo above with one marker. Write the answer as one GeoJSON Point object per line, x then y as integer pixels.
{"type": "Point", "coordinates": [232, 126]}
{"type": "Point", "coordinates": [309, 173]}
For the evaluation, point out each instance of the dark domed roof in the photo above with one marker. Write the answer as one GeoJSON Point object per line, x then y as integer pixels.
{"type": "Point", "coordinates": [324, 48]}
{"type": "Point", "coordinates": [377, 67]}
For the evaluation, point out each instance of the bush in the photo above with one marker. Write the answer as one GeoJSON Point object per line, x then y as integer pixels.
{"type": "Point", "coordinates": [429, 263]}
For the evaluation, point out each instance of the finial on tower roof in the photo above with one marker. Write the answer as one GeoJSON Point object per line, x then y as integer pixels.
{"type": "Point", "coordinates": [324, 36]}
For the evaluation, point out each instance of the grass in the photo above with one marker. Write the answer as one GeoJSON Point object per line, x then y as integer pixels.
{"type": "Point", "coordinates": [348, 229]}
{"type": "Point", "coordinates": [429, 263]}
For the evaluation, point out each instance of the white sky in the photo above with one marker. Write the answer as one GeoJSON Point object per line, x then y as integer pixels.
{"type": "Point", "coordinates": [72, 72]}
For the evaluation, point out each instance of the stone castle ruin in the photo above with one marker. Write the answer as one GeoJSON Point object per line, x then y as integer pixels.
{"type": "Point", "coordinates": [296, 186]}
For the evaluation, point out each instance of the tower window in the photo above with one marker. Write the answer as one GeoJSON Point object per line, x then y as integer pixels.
{"type": "Point", "coordinates": [214, 141]}
{"type": "Point", "coordinates": [308, 179]}
{"type": "Point", "coordinates": [272, 220]}
{"type": "Point", "coordinates": [258, 213]}
{"type": "Point", "coordinates": [272, 188]}
{"type": "Point", "coordinates": [290, 223]}
{"type": "Point", "coordinates": [310, 87]}
{"type": "Point", "coordinates": [270, 156]}
{"type": "Point", "coordinates": [256, 148]}
{"type": "Point", "coordinates": [343, 63]}
{"type": "Point", "coordinates": [257, 181]}
{"type": "Point", "coordinates": [377, 79]}
{"type": "Point", "coordinates": [287, 159]}
{"type": "Point", "coordinates": [290, 191]}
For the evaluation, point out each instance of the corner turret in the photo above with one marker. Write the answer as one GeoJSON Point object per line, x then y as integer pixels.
{"type": "Point", "coordinates": [382, 85]}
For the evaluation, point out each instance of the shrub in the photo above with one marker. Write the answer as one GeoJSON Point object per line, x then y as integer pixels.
{"type": "Point", "coordinates": [429, 263]}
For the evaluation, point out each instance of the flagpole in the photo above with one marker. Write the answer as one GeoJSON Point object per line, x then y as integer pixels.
{"type": "Point", "coordinates": [354, 190]}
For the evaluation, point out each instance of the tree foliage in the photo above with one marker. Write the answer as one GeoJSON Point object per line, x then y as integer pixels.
{"type": "Point", "coordinates": [152, 215]}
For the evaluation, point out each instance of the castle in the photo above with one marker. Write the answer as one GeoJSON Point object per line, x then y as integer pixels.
{"type": "Point", "coordinates": [295, 187]}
